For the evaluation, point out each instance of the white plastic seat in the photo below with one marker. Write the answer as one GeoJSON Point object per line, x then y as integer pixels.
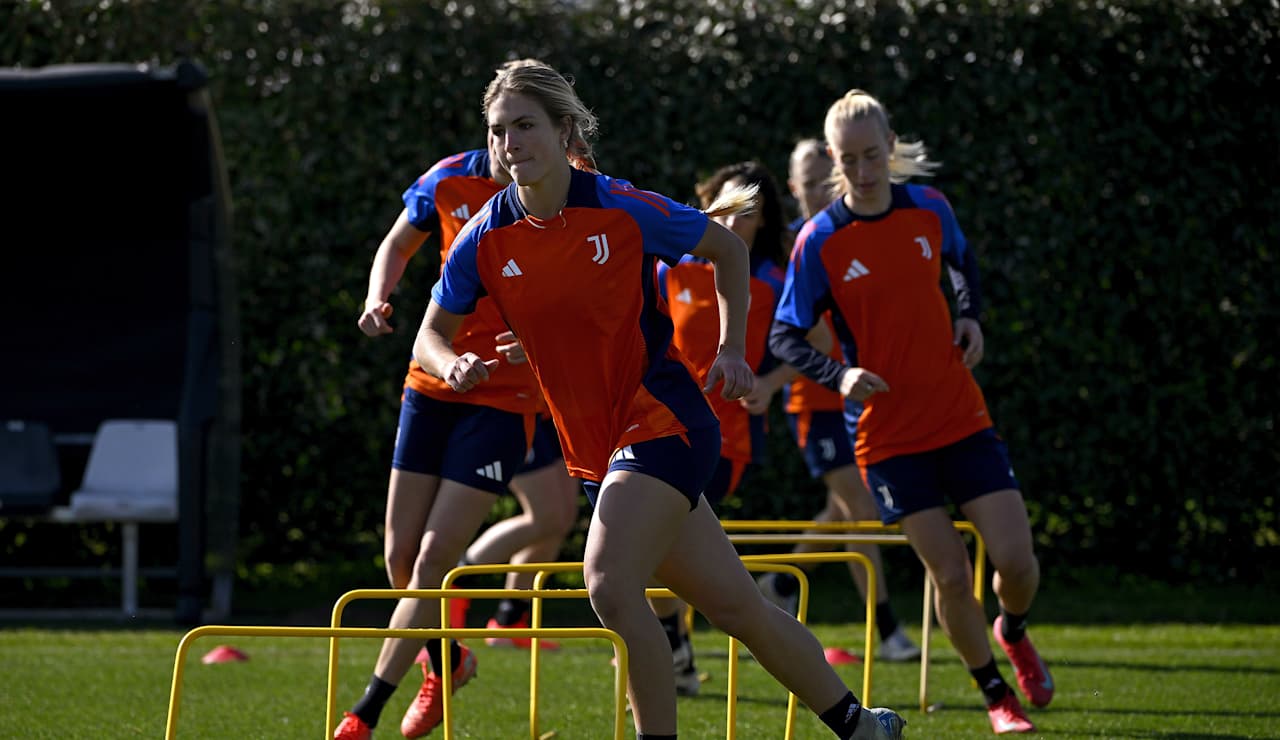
{"type": "Point", "coordinates": [131, 477]}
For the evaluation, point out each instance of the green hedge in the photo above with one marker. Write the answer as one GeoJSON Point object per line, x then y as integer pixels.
{"type": "Point", "coordinates": [1109, 162]}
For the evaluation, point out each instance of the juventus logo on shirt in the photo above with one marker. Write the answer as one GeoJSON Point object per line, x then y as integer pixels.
{"type": "Point", "coordinates": [601, 243]}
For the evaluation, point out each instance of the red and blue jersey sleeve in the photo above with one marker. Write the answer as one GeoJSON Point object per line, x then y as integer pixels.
{"type": "Point", "coordinates": [459, 287]}
{"type": "Point", "coordinates": [806, 287]}
{"type": "Point", "coordinates": [420, 198]}
{"type": "Point", "coordinates": [962, 265]}
{"type": "Point", "coordinates": [806, 296]}
{"type": "Point", "coordinates": [670, 230]}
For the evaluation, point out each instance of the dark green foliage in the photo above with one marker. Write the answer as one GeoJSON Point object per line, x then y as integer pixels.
{"type": "Point", "coordinates": [1109, 162]}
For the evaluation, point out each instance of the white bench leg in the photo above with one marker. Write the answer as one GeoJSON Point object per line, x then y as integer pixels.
{"type": "Point", "coordinates": [129, 575]}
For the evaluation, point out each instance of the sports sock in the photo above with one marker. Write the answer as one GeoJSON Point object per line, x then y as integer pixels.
{"type": "Point", "coordinates": [886, 620]}
{"type": "Point", "coordinates": [376, 694]}
{"type": "Point", "coordinates": [1013, 627]}
{"type": "Point", "coordinates": [990, 681]}
{"type": "Point", "coordinates": [433, 650]}
{"type": "Point", "coordinates": [843, 717]}
{"type": "Point", "coordinates": [511, 611]}
{"type": "Point", "coordinates": [785, 584]}
{"type": "Point", "coordinates": [671, 626]}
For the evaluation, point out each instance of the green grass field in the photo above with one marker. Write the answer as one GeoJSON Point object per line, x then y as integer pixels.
{"type": "Point", "coordinates": [1209, 669]}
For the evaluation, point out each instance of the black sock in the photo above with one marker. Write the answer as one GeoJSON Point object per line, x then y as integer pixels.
{"type": "Point", "coordinates": [376, 694]}
{"type": "Point", "coordinates": [990, 681]}
{"type": "Point", "coordinates": [671, 626]}
{"type": "Point", "coordinates": [886, 620]}
{"type": "Point", "coordinates": [1013, 627]}
{"type": "Point", "coordinates": [651, 736]}
{"type": "Point", "coordinates": [785, 584]}
{"type": "Point", "coordinates": [511, 611]}
{"type": "Point", "coordinates": [843, 717]}
{"type": "Point", "coordinates": [455, 654]}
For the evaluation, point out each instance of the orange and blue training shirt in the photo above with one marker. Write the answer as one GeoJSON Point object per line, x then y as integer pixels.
{"type": "Point", "coordinates": [881, 277]}
{"type": "Point", "coordinates": [443, 199]}
{"type": "Point", "coordinates": [579, 290]}
{"type": "Point", "coordinates": [689, 289]}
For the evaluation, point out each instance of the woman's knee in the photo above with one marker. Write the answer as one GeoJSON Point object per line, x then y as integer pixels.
{"type": "Point", "coordinates": [434, 560]}
{"type": "Point", "coordinates": [400, 564]}
{"type": "Point", "coordinates": [612, 598]}
{"type": "Point", "coordinates": [953, 581]}
{"type": "Point", "coordinates": [1023, 570]}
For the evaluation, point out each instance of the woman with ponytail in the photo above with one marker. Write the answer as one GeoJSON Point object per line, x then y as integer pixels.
{"type": "Point", "coordinates": [569, 256]}
{"type": "Point", "coordinates": [924, 439]}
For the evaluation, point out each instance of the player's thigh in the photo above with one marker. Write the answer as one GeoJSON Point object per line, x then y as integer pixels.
{"type": "Point", "coordinates": [636, 519]}
{"type": "Point", "coordinates": [939, 546]}
{"type": "Point", "coordinates": [457, 513]}
{"type": "Point", "coordinates": [846, 484]}
{"type": "Point", "coordinates": [547, 494]}
{"type": "Point", "coordinates": [704, 569]}
{"type": "Point", "coordinates": [1001, 519]}
{"type": "Point", "coordinates": [409, 500]}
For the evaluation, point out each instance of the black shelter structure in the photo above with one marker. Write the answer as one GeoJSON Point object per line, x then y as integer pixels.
{"type": "Point", "coordinates": [118, 299]}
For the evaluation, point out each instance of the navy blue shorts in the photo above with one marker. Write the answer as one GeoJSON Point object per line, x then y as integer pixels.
{"type": "Point", "coordinates": [477, 446]}
{"type": "Point", "coordinates": [685, 466]}
{"type": "Point", "coordinates": [822, 436]}
{"type": "Point", "coordinates": [959, 472]}
{"type": "Point", "coordinates": [724, 481]}
{"type": "Point", "coordinates": [545, 449]}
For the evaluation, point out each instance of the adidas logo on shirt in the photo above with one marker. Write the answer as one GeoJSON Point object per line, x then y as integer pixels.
{"type": "Point", "coordinates": [511, 269]}
{"type": "Point", "coordinates": [684, 296]}
{"type": "Point", "coordinates": [855, 271]}
{"type": "Point", "coordinates": [462, 212]}
{"type": "Point", "coordinates": [492, 471]}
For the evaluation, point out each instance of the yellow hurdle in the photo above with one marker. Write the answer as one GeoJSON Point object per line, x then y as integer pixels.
{"type": "Point", "coordinates": [543, 570]}
{"type": "Point", "coordinates": [864, 532]}
{"type": "Point", "coordinates": [333, 633]}
{"type": "Point", "coordinates": [444, 594]}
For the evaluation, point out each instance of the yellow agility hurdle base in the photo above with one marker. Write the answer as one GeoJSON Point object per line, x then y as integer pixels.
{"type": "Point", "coordinates": [543, 570]}
{"type": "Point", "coordinates": [333, 633]}
{"type": "Point", "coordinates": [788, 532]}
{"type": "Point", "coordinates": [534, 632]}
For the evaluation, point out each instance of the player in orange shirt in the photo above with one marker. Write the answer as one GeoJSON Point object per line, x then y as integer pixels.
{"type": "Point", "coordinates": [453, 455]}
{"type": "Point", "coordinates": [924, 437]}
{"type": "Point", "coordinates": [689, 290]}
{"type": "Point", "coordinates": [815, 415]}
{"type": "Point", "coordinates": [568, 256]}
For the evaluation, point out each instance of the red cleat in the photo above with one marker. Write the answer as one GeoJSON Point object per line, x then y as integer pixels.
{"type": "Point", "coordinates": [1007, 716]}
{"type": "Point", "coordinates": [840, 656]}
{"type": "Point", "coordinates": [427, 709]}
{"type": "Point", "coordinates": [1033, 675]}
{"type": "Point", "coordinates": [352, 728]}
{"type": "Point", "coordinates": [517, 642]}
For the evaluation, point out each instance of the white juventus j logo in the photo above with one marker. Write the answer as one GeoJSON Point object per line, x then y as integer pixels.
{"type": "Point", "coordinates": [601, 242]}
